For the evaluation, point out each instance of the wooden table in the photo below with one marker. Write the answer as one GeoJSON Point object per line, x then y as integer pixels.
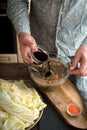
{"type": "Point", "coordinates": [17, 71]}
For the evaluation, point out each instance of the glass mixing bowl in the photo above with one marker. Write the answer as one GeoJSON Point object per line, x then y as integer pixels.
{"type": "Point", "coordinates": [53, 73]}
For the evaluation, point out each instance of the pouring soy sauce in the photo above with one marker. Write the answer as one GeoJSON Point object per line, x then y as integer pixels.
{"type": "Point", "coordinates": [48, 73]}
{"type": "Point", "coordinates": [40, 57]}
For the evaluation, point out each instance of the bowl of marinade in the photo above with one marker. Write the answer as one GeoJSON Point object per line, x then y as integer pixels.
{"type": "Point", "coordinates": [53, 73]}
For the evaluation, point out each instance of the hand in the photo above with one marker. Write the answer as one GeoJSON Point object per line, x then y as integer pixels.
{"type": "Point", "coordinates": [27, 44]}
{"type": "Point", "coordinates": [80, 57]}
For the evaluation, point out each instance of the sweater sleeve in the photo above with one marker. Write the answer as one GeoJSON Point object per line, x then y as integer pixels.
{"type": "Point", "coordinates": [84, 26]}
{"type": "Point", "coordinates": [17, 11]}
{"type": "Point", "coordinates": [84, 43]}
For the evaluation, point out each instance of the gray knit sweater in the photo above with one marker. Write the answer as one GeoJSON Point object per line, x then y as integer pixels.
{"type": "Point", "coordinates": [58, 25]}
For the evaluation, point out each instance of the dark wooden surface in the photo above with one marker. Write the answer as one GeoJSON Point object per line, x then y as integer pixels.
{"type": "Point", "coordinates": [15, 72]}
{"type": "Point", "coordinates": [51, 119]}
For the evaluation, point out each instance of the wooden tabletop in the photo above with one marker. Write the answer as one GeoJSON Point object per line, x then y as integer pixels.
{"type": "Point", "coordinates": [15, 71]}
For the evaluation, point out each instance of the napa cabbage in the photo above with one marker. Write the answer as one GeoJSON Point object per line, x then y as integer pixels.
{"type": "Point", "coordinates": [20, 105]}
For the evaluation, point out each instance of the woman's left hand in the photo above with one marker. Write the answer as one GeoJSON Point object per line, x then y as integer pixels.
{"type": "Point", "coordinates": [80, 57]}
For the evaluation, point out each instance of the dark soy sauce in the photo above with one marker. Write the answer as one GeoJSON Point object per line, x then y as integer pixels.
{"type": "Point", "coordinates": [48, 73]}
{"type": "Point", "coordinates": [41, 56]}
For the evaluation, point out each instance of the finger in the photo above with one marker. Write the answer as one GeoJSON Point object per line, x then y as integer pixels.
{"type": "Point", "coordinates": [74, 63]}
{"type": "Point", "coordinates": [27, 59]}
{"type": "Point", "coordinates": [82, 71]}
{"type": "Point", "coordinates": [85, 73]}
{"type": "Point", "coordinates": [82, 68]}
{"type": "Point", "coordinates": [76, 72]}
{"type": "Point", "coordinates": [32, 43]}
{"type": "Point", "coordinates": [34, 48]}
{"type": "Point", "coordinates": [26, 54]}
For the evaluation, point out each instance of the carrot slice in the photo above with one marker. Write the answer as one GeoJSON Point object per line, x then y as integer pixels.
{"type": "Point", "coordinates": [49, 81]}
{"type": "Point", "coordinates": [56, 76]}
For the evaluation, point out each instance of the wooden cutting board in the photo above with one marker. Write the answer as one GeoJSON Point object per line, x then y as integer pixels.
{"type": "Point", "coordinates": [64, 95]}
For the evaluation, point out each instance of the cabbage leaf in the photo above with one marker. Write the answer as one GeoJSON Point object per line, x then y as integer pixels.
{"type": "Point", "coordinates": [20, 105]}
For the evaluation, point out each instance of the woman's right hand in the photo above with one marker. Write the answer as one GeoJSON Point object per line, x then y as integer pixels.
{"type": "Point", "coordinates": [27, 44]}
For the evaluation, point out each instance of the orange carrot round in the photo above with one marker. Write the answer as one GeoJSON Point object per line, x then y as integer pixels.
{"type": "Point", "coordinates": [56, 76]}
{"type": "Point", "coordinates": [49, 81]}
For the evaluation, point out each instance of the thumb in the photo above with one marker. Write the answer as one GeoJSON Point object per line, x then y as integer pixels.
{"type": "Point", "coordinates": [74, 63]}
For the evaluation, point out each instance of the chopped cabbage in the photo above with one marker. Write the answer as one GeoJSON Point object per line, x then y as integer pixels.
{"type": "Point", "coordinates": [20, 105]}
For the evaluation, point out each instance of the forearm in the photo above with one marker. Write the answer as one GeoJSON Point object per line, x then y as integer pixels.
{"type": "Point", "coordinates": [17, 11]}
